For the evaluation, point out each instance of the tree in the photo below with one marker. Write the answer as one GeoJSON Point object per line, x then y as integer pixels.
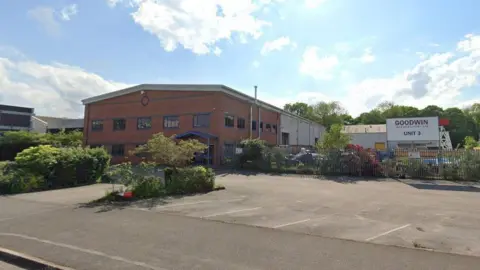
{"type": "Point", "coordinates": [299, 108]}
{"type": "Point", "coordinates": [328, 113]}
{"type": "Point", "coordinates": [334, 138]}
{"type": "Point", "coordinates": [470, 142]}
{"type": "Point", "coordinates": [166, 151]}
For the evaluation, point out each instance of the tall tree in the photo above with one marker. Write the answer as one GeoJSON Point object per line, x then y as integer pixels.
{"type": "Point", "coordinates": [299, 108]}
{"type": "Point", "coordinates": [328, 113]}
{"type": "Point", "coordinates": [334, 138]}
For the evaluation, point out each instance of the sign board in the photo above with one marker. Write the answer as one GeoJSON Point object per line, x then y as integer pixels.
{"type": "Point", "coordinates": [413, 129]}
{"type": "Point", "coordinates": [413, 154]}
{"type": "Point", "coordinates": [238, 151]}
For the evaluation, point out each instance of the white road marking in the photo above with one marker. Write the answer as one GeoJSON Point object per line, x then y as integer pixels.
{"type": "Point", "coordinates": [232, 212]}
{"type": "Point", "coordinates": [385, 233]}
{"type": "Point", "coordinates": [84, 250]}
{"type": "Point", "coordinates": [22, 255]}
{"type": "Point", "coordinates": [291, 223]}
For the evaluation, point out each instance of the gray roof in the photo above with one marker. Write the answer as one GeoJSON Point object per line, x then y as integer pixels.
{"type": "Point", "coordinates": [59, 123]}
{"type": "Point", "coordinates": [352, 129]}
{"type": "Point", "coordinates": [189, 87]}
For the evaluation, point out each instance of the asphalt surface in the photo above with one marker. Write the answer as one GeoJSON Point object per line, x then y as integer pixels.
{"type": "Point", "coordinates": [140, 237]}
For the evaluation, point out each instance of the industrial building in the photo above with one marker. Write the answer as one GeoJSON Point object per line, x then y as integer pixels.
{"type": "Point", "coordinates": [405, 133]}
{"type": "Point", "coordinates": [57, 124]}
{"type": "Point", "coordinates": [216, 115]}
{"type": "Point", "coordinates": [15, 118]}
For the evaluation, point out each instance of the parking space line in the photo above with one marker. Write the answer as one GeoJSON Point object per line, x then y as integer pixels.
{"type": "Point", "coordinates": [291, 223]}
{"type": "Point", "coordinates": [385, 233]}
{"type": "Point", "coordinates": [232, 212]}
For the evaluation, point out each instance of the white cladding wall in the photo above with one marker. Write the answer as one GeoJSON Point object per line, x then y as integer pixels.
{"type": "Point", "coordinates": [368, 140]}
{"type": "Point", "coordinates": [300, 132]}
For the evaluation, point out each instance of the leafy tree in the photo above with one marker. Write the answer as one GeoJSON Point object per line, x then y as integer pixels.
{"type": "Point", "coordinates": [334, 138]}
{"type": "Point", "coordinates": [300, 109]}
{"type": "Point", "coordinates": [328, 113]}
{"type": "Point", "coordinates": [474, 112]}
{"type": "Point", "coordinates": [166, 151]}
{"type": "Point", "coordinates": [470, 142]}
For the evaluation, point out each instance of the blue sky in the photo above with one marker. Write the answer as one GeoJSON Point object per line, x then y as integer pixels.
{"type": "Point", "coordinates": [359, 52]}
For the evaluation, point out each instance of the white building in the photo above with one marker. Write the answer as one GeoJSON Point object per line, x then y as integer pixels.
{"type": "Point", "coordinates": [375, 137]}
{"type": "Point", "coordinates": [297, 131]}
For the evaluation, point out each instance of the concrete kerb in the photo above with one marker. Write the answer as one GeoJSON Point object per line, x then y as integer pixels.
{"type": "Point", "coordinates": [27, 261]}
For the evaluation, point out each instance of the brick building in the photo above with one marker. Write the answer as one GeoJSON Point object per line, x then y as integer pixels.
{"type": "Point", "coordinates": [214, 114]}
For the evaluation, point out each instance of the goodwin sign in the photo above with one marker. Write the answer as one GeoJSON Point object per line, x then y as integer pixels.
{"type": "Point", "coordinates": [413, 129]}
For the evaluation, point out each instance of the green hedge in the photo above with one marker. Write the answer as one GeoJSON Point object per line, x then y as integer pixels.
{"type": "Point", "coordinates": [45, 166]}
{"type": "Point", "coordinates": [190, 180]}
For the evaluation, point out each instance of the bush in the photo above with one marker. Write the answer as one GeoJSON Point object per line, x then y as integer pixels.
{"type": "Point", "coordinates": [62, 167]}
{"type": "Point", "coordinates": [13, 142]}
{"type": "Point", "coordinates": [469, 166]}
{"type": "Point", "coordinates": [148, 187]}
{"type": "Point", "coordinates": [191, 180]}
{"type": "Point", "coordinates": [38, 160]}
{"type": "Point", "coordinates": [253, 151]}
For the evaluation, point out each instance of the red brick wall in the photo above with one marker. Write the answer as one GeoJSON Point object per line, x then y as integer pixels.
{"type": "Point", "coordinates": [180, 103]}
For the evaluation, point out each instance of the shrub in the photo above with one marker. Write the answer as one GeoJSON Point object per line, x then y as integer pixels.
{"type": "Point", "coordinates": [254, 152]}
{"type": "Point", "coordinates": [469, 165]}
{"type": "Point", "coordinates": [191, 180]}
{"type": "Point", "coordinates": [62, 167]}
{"type": "Point", "coordinates": [148, 187]}
{"type": "Point", "coordinates": [38, 160]}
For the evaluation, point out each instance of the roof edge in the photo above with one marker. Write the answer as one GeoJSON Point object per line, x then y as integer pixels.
{"type": "Point", "coordinates": [191, 87]}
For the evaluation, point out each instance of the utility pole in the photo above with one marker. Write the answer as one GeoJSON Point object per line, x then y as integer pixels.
{"type": "Point", "coordinates": [259, 113]}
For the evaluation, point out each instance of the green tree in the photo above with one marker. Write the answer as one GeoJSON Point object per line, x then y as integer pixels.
{"type": "Point", "coordinates": [334, 138]}
{"type": "Point", "coordinates": [328, 113]}
{"type": "Point", "coordinates": [166, 151]}
{"type": "Point", "coordinates": [300, 109]}
{"type": "Point", "coordinates": [470, 142]}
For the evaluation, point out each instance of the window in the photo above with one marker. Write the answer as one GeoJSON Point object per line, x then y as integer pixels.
{"type": "Point", "coordinates": [274, 129]}
{"type": "Point", "coordinates": [241, 123]}
{"type": "Point", "coordinates": [171, 122]}
{"type": "Point", "coordinates": [118, 150]}
{"type": "Point", "coordinates": [119, 124]}
{"type": "Point", "coordinates": [269, 128]}
{"type": "Point", "coordinates": [144, 123]}
{"type": "Point", "coordinates": [97, 125]}
{"type": "Point", "coordinates": [254, 125]}
{"type": "Point", "coordinates": [261, 126]}
{"type": "Point", "coordinates": [96, 146]}
{"type": "Point", "coordinates": [229, 121]}
{"type": "Point", "coordinates": [201, 120]}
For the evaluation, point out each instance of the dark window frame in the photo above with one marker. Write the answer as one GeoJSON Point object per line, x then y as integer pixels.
{"type": "Point", "coordinates": [229, 117]}
{"type": "Point", "coordinates": [145, 127]}
{"type": "Point", "coordinates": [100, 125]}
{"type": "Point", "coordinates": [167, 120]}
{"type": "Point", "coordinates": [203, 125]}
{"type": "Point", "coordinates": [120, 152]}
{"type": "Point", "coordinates": [124, 124]}
{"type": "Point", "coordinates": [254, 125]}
{"type": "Point", "coordinates": [268, 127]}
{"type": "Point", "coordinates": [274, 129]}
{"type": "Point", "coordinates": [241, 123]}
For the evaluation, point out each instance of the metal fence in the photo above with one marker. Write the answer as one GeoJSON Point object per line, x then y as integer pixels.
{"type": "Point", "coordinates": [401, 163]}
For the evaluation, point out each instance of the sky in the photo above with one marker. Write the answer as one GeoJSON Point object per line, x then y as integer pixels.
{"type": "Point", "coordinates": [55, 53]}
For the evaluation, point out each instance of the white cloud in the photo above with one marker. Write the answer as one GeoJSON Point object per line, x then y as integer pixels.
{"type": "Point", "coordinates": [46, 17]}
{"type": "Point", "coordinates": [68, 11]}
{"type": "Point", "coordinates": [199, 25]}
{"type": "Point", "coordinates": [438, 79]}
{"type": "Point", "coordinates": [49, 18]}
{"type": "Point", "coordinates": [54, 89]}
{"type": "Point", "coordinates": [277, 45]}
{"type": "Point", "coordinates": [256, 64]}
{"type": "Point", "coordinates": [217, 51]}
{"type": "Point", "coordinates": [320, 68]}
{"type": "Point", "coordinates": [367, 56]}
{"type": "Point", "coordinates": [314, 3]}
